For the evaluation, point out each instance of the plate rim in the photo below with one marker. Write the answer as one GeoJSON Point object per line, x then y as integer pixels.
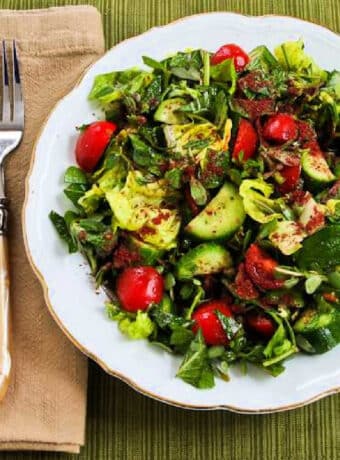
{"type": "Point", "coordinates": [112, 372]}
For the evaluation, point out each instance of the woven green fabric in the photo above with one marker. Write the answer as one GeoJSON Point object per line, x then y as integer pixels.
{"type": "Point", "coordinates": [121, 423]}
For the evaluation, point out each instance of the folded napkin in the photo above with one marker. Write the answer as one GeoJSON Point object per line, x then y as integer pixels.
{"type": "Point", "coordinates": [45, 406]}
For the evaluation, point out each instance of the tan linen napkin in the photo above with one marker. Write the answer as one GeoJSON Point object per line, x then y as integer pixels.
{"type": "Point", "coordinates": [45, 406]}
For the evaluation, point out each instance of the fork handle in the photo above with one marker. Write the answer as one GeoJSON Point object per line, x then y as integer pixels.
{"type": "Point", "coordinates": [5, 357]}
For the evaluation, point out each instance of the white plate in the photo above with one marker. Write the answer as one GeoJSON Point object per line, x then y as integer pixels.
{"type": "Point", "coordinates": [69, 290]}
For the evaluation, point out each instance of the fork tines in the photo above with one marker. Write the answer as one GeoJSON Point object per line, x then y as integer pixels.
{"type": "Point", "coordinates": [11, 119]}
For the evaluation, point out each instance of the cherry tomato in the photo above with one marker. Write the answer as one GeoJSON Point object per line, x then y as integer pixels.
{"type": "Point", "coordinates": [280, 128]}
{"type": "Point", "coordinates": [261, 268]}
{"type": "Point", "coordinates": [231, 51]}
{"type": "Point", "coordinates": [261, 324]}
{"type": "Point", "coordinates": [139, 287]}
{"type": "Point", "coordinates": [92, 143]}
{"type": "Point", "coordinates": [291, 176]}
{"type": "Point", "coordinates": [246, 141]}
{"type": "Point", "coordinates": [206, 319]}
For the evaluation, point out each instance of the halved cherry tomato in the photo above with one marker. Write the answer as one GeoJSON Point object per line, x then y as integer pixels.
{"type": "Point", "coordinates": [92, 143]}
{"type": "Point", "coordinates": [291, 176]}
{"type": "Point", "coordinates": [261, 324]}
{"type": "Point", "coordinates": [231, 51]}
{"type": "Point", "coordinates": [280, 128]}
{"type": "Point", "coordinates": [261, 268]}
{"type": "Point", "coordinates": [139, 287]}
{"type": "Point", "coordinates": [246, 141]}
{"type": "Point", "coordinates": [206, 319]}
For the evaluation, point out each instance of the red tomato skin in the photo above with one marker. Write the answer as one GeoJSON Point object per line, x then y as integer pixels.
{"type": "Point", "coordinates": [260, 268]}
{"type": "Point", "coordinates": [231, 51]}
{"type": "Point", "coordinates": [246, 141]}
{"type": "Point", "coordinates": [206, 319]}
{"type": "Point", "coordinates": [261, 324]}
{"type": "Point", "coordinates": [291, 175]}
{"type": "Point", "coordinates": [280, 128]}
{"type": "Point", "coordinates": [92, 142]}
{"type": "Point", "coordinates": [138, 287]}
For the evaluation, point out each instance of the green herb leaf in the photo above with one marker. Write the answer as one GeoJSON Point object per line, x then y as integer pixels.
{"type": "Point", "coordinates": [199, 296]}
{"type": "Point", "coordinates": [74, 192]}
{"type": "Point", "coordinates": [153, 63]}
{"type": "Point", "coordinates": [168, 320]}
{"type": "Point", "coordinates": [169, 281]}
{"type": "Point", "coordinates": [74, 175]}
{"type": "Point", "coordinates": [174, 176]}
{"type": "Point", "coordinates": [186, 291]}
{"type": "Point", "coordinates": [181, 338]}
{"type": "Point", "coordinates": [186, 65]}
{"type": "Point", "coordinates": [195, 368]}
{"type": "Point", "coordinates": [198, 192]}
{"type": "Point", "coordinates": [62, 229]}
{"type": "Point", "coordinates": [230, 326]}
{"type": "Point", "coordinates": [312, 283]}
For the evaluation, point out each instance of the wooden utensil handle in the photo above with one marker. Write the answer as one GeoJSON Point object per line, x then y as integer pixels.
{"type": "Point", "coordinates": [5, 357]}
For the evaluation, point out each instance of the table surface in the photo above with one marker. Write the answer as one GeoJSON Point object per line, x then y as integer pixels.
{"type": "Point", "coordinates": [123, 424]}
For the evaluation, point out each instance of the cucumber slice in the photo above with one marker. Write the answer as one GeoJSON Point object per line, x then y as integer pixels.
{"type": "Point", "coordinates": [222, 216]}
{"type": "Point", "coordinates": [316, 168]}
{"type": "Point", "coordinates": [320, 331]}
{"type": "Point", "coordinates": [204, 259]}
{"type": "Point", "coordinates": [167, 112]}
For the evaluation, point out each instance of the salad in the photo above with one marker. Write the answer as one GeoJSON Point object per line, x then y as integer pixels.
{"type": "Point", "coordinates": [207, 204]}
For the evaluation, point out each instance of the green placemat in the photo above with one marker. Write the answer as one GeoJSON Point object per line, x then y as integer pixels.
{"type": "Point", "coordinates": [122, 424]}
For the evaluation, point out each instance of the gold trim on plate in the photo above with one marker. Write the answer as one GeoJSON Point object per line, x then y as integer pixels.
{"type": "Point", "coordinates": [39, 275]}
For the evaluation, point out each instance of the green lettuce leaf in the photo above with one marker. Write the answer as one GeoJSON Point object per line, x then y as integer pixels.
{"type": "Point", "coordinates": [328, 112]}
{"type": "Point", "coordinates": [139, 328]}
{"type": "Point", "coordinates": [136, 327]}
{"type": "Point", "coordinates": [142, 208]}
{"type": "Point", "coordinates": [287, 236]}
{"type": "Point", "coordinates": [262, 59]}
{"type": "Point", "coordinates": [257, 204]}
{"type": "Point", "coordinates": [225, 72]}
{"type": "Point", "coordinates": [91, 199]}
{"type": "Point", "coordinates": [111, 175]}
{"type": "Point", "coordinates": [292, 57]}
{"type": "Point", "coordinates": [187, 65]}
{"type": "Point", "coordinates": [113, 86]}
{"type": "Point", "coordinates": [193, 140]}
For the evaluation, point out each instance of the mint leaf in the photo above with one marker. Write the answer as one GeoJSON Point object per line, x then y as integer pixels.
{"type": "Point", "coordinates": [195, 368]}
{"type": "Point", "coordinates": [62, 230]}
{"type": "Point", "coordinates": [230, 326]}
{"type": "Point", "coordinates": [74, 175]}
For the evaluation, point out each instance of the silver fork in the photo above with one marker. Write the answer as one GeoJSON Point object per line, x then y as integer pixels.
{"type": "Point", "coordinates": [11, 131]}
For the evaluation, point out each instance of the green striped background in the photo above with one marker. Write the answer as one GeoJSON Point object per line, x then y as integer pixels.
{"type": "Point", "coordinates": [122, 424]}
